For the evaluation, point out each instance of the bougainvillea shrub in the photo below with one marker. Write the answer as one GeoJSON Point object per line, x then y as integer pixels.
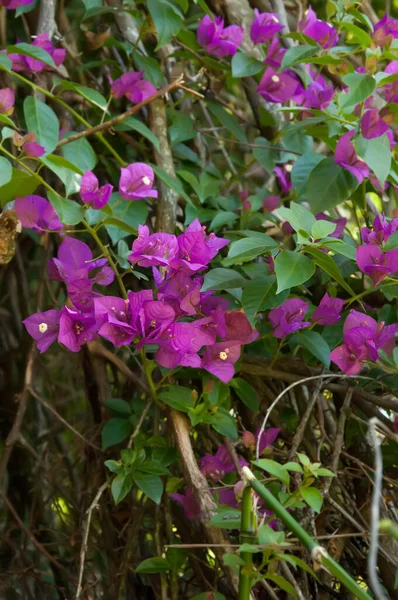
{"type": "Point", "coordinates": [199, 259]}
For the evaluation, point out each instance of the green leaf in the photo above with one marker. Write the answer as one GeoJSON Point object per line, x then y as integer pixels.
{"type": "Point", "coordinates": [167, 19]}
{"type": "Point", "coordinates": [274, 469]}
{"type": "Point", "coordinates": [5, 171]}
{"type": "Point", "coordinates": [298, 216]}
{"type": "Point", "coordinates": [222, 279]}
{"type": "Point", "coordinates": [5, 62]}
{"type": "Point", "coordinates": [297, 54]}
{"type": "Point", "coordinates": [246, 393]}
{"type": "Point", "coordinates": [260, 294]}
{"type": "Point", "coordinates": [6, 121]}
{"type": "Point", "coordinates": [228, 121]}
{"type": "Point", "coordinates": [120, 225]}
{"type": "Point", "coordinates": [282, 583]}
{"type": "Point", "coordinates": [313, 498]}
{"type": "Point", "coordinates": [314, 343]}
{"type": "Point", "coordinates": [151, 68]}
{"type": "Point", "coordinates": [322, 229]}
{"type": "Point", "coordinates": [360, 85]}
{"type": "Point", "coordinates": [302, 168]}
{"type": "Point", "coordinates": [33, 52]}
{"type": "Point", "coordinates": [120, 487]}
{"type": "Point", "coordinates": [224, 423]}
{"type": "Point", "coordinates": [327, 264]}
{"type": "Point", "coordinates": [248, 248]}
{"type": "Point", "coordinates": [172, 182]}
{"type": "Point", "coordinates": [293, 466]}
{"type": "Point", "coordinates": [356, 34]}
{"type": "Point", "coordinates": [115, 431]}
{"type": "Point", "coordinates": [303, 458]}
{"type": "Point", "coordinates": [377, 155]}
{"type": "Point", "coordinates": [392, 242]}
{"type": "Point", "coordinates": [21, 184]}
{"type": "Point", "coordinates": [328, 185]}
{"type": "Point", "coordinates": [80, 153]}
{"type": "Point", "coordinates": [68, 211]}
{"type": "Point", "coordinates": [228, 518]}
{"type": "Point", "coordinates": [292, 269]}
{"type": "Point", "coordinates": [244, 65]}
{"type": "Point", "coordinates": [182, 128]}
{"type": "Point", "coordinates": [153, 565]}
{"type": "Point", "coordinates": [323, 473]}
{"type": "Point", "coordinates": [42, 121]}
{"type": "Point", "coordinates": [60, 161]}
{"type": "Point", "coordinates": [88, 93]}
{"type": "Point", "coordinates": [151, 485]}
{"type": "Point", "coordinates": [340, 247]}
{"type": "Point", "coordinates": [127, 216]}
{"type": "Point", "coordinates": [113, 466]}
{"type": "Point", "coordinates": [233, 561]}
{"type": "Point", "coordinates": [137, 125]}
{"type": "Point", "coordinates": [265, 155]}
{"type": "Point", "coordinates": [177, 397]}
{"type": "Point", "coordinates": [176, 558]}
{"type": "Point", "coordinates": [119, 406]}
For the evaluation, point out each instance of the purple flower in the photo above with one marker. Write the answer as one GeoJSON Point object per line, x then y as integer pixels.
{"type": "Point", "coordinates": [188, 503]}
{"type": "Point", "coordinates": [33, 65]}
{"type": "Point", "coordinates": [283, 177]}
{"type": "Point", "coordinates": [346, 157]}
{"type": "Point", "coordinates": [270, 203]}
{"type": "Point", "coordinates": [153, 250]}
{"type": "Point", "coordinates": [318, 94]}
{"type": "Point", "coordinates": [156, 316]}
{"type": "Point", "coordinates": [217, 466]}
{"type": "Point", "coordinates": [76, 328]}
{"type": "Point", "coordinates": [385, 31]}
{"type": "Point", "coordinates": [363, 337]}
{"type": "Point", "coordinates": [219, 40]}
{"type": "Point", "coordinates": [318, 30]}
{"type": "Point", "coordinates": [328, 311]}
{"type": "Point", "coordinates": [136, 182]}
{"type": "Point", "coordinates": [33, 149]}
{"type": "Point", "coordinates": [212, 242]}
{"type": "Point", "coordinates": [288, 317]}
{"type": "Point", "coordinates": [382, 230]}
{"type": "Point", "coordinates": [196, 249]}
{"type": "Point", "coordinates": [37, 213]}
{"type": "Point", "coordinates": [268, 437]}
{"type": "Point", "coordinates": [275, 53]}
{"type": "Point", "coordinates": [43, 327]}
{"type": "Point", "coordinates": [133, 86]}
{"type": "Point", "coordinates": [7, 100]}
{"type": "Point", "coordinates": [278, 87]}
{"type": "Point", "coordinates": [113, 317]}
{"type": "Point", "coordinates": [372, 261]}
{"type": "Point", "coordinates": [372, 126]}
{"type": "Point", "coordinates": [179, 345]}
{"type": "Point", "coordinates": [14, 4]}
{"type": "Point", "coordinates": [391, 89]}
{"type": "Point", "coordinates": [219, 359]}
{"type": "Point", "coordinates": [264, 27]}
{"type": "Point", "coordinates": [182, 292]}
{"type": "Point", "coordinates": [238, 327]}
{"type": "Point", "coordinates": [92, 194]}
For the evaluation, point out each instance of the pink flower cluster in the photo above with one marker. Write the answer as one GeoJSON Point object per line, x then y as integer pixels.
{"type": "Point", "coordinates": [372, 259]}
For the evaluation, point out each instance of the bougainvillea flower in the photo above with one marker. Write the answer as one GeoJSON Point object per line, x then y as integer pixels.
{"type": "Point", "coordinates": [238, 327]}
{"type": "Point", "coordinates": [33, 149]}
{"type": "Point", "coordinates": [219, 359]}
{"type": "Point", "coordinates": [80, 292]}
{"type": "Point", "coordinates": [328, 311]}
{"type": "Point", "coordinates": [76, 328]}
{"type": "Point", "coordinates": [7, 100]}
{"type": "Point", "coordinates": [267, 439]}
{"type": "Point", "coordinates": [133, 86]}
{"type": "Point", "coordinates": [381, 230]}
{"type": "Point", "coordinates": [113, 316]}
{"type": "Point", "coordinates": [391, 89]}
{"type": "Point", "coordinates": [288, 317]}
{"type": "Point", "coordinates": [346, 157]}
{"type": "Point", "coordinates": [270, 203]}
{"type": "Point", "coordinates": [92, 194]}
{"type": "Point", "coordinates": [155, 317]}
{"type": "Point", "coordinates": [385, 31]}
{"type": "Point", "coordinates": [383, 335]}
{"type": "Point", "coordinates": [264, 27]}
{"type": "Point", "coordinates": [372, 125]}
{"type": "Point", "coordinates": [180, 345]}
{"type": "Point", "coordinates": [219, 40]}
{"type": "Point", "coordinates": [43, 327]}
{"type": "Point", "coordinates": [217, 466]}
{"type": "Point", "coordinates": [188, 503]}
{"type": "Point", "coordinates": [278, 87]}
{"type": "Point", "coordinates": [136, 182]}
{"type": "Point", "coordinates": [33, 65]}
{"type": "Point", "coordinates": [196, 249]}
{"type": "Point", "coordinates": [14, 4]}
{"type": "Point", "coordinates": [318, 30]}
{"type": "Point", "coordinates": [372, 261]}
{"type": "Point", "coordinates": [318, 94]}
{"type": "Point", "coordinates": [182, 291]}
{"type": "Point", "coordinates": [153, 250]}
{"type": "Point", "coordinates": [37, 213]}
{"type": "Point", "coordinates": [275, 53]}
{"type": "Point", "coordinates": [283, 177]}
{"type": "Point", "coordinates": [212, 242]}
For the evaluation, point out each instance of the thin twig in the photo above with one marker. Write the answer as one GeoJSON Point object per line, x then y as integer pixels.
{"type": "Point", "coordinates": [217, 137]}
{"type": "Point", "coordinates": [298, 436]}
{"type": "Point", "coordinates": [339, 441]}
{"type": "Point", "coordinates": [83, 549]}
{"type": "Point", "coordinates": [375, 514]}
{"type": "Point", "coordinates": [139, 424]}
{"type": "Point", "coordinates": [119, 118]}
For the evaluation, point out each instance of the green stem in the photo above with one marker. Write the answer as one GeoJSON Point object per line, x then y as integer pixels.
{"type": "Point", "coordinates": [70, 111]}
{"type": "Point", "coordinates": [318, 553]}
{"type": "Point", "coordinates": [107, 254]}
{"type": "Point", "coordinates": [247, 533]}
{"type": "Point", "coordinates": [27, 169]}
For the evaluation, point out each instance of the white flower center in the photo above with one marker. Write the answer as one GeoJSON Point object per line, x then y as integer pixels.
{"type": "Point", "coordinates": [223, 355]}
{"type": "Point", "coordinates": [275, 78]}
{"type": "Point", "coordinates": [288, 168]}
{"type": "Point", "coordinates": [146, 180]}
{"type": "Point", "coordinates": [43, 327]}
